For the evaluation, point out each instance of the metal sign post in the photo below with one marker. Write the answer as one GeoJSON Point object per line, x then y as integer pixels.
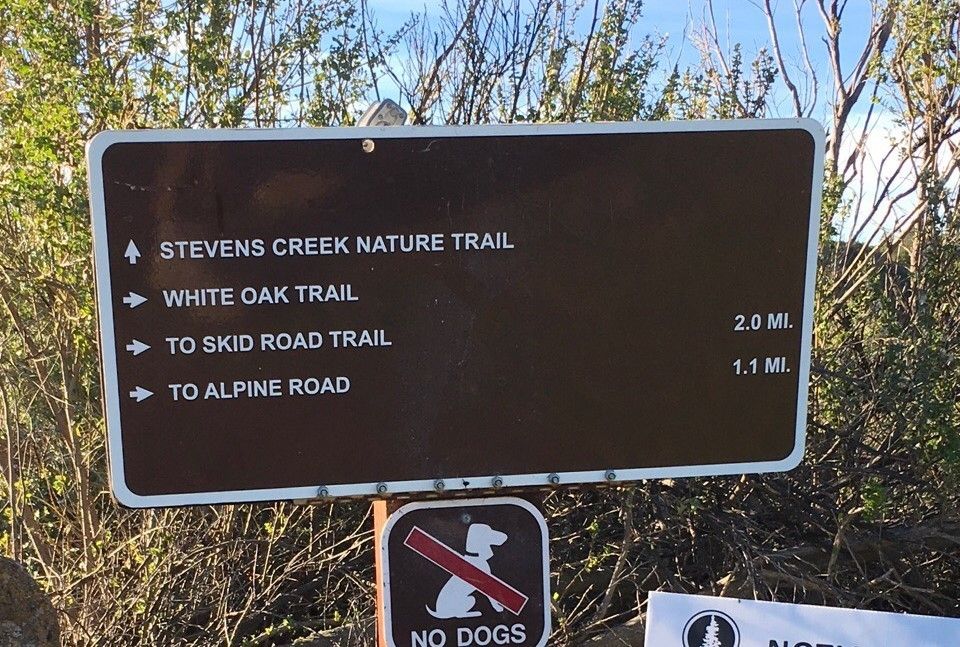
{"type": "Point", "coordinates": [382, 509]}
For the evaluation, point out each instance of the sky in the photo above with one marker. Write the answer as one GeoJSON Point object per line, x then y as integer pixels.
{"type": "Point", "coordinates": [739, 21]}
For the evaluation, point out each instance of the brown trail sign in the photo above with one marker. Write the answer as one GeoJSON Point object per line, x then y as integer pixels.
{"type": "Point", "coordinates": [287, 314]}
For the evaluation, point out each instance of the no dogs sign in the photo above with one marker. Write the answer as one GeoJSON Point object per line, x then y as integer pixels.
{"type": "Point", "coordinates": [467, 573]}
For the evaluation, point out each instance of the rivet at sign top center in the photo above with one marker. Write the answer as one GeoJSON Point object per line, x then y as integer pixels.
{"type": "Point", "coordinates": [381, 488]}
{"type": "Point", "coordinates": [322, 491]}
{"type": "Point", "coordinates": [611, 475]}
{"type": "Point", "coordinates": [497, 482]}
{"type": "Point", "coordinates": [438, 485]}
{"type": "Point", "coordinates": [554, 478]}
{"type": "Point", "coordinates": [367, 145]}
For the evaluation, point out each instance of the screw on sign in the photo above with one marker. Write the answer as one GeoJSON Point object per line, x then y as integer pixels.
{"type": "Point", "coordinates": [469, 573]}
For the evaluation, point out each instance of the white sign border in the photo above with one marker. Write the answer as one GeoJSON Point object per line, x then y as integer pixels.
{"type": "Point", "coordinates": [463, 503]}
{"type": "Point", "coordinates": [97, 146]}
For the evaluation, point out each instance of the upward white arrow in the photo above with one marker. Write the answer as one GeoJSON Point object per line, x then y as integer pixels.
{"type": "Point", "coordinates": [140, 394]}
{"type": "Point", "coordinates": [132, 253]}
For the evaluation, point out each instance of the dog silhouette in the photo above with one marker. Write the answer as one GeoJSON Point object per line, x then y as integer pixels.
{"type": "Point", "coordinates": [456, 599]}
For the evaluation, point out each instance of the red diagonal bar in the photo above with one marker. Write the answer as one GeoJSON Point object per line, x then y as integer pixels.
{"type": "Point", "coordinates": [453, 562]}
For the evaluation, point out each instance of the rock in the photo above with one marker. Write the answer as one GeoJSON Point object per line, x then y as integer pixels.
{"type": "Point", "coordinates": [27, 617]}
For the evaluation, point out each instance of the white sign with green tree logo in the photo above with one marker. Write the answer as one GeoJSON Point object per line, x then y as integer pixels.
{"type": "Point", "coordinates": [704, 621]}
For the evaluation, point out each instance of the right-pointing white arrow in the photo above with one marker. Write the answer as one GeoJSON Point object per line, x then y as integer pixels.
{"type": "Point", "coordinates": [136, 347]}
{"type": "Point", "coordinates": [140, 394]}
{"type": "Point", "coordinates": [133, 299]}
